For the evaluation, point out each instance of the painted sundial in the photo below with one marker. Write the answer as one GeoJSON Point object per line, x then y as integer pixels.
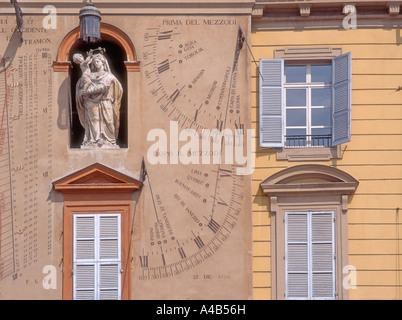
{"type": "Point", "coordinates": [195, 73]}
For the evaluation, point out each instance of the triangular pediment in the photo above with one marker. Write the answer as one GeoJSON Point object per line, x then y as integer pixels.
{"type": "Point", "coordinates": [97, 177]}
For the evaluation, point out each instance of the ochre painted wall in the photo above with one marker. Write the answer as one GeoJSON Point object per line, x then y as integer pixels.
{"type": "Point", "coordinates": [373, 157]}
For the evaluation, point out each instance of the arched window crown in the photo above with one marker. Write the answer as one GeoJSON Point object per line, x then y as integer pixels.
{"type": "Point", "coordinates": [309, 179]}
{"type": "Point", "coordinates": [108, 33]}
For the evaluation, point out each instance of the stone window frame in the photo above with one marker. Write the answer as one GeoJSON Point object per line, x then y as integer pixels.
{"type": "Point", "coordinates": [308, 188]}
{"type": "Point", "coordinates": [97, 189]}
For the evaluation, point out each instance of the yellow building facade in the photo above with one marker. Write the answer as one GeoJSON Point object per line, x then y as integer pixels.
{"type": "Point", "coordinates": [293, 178]}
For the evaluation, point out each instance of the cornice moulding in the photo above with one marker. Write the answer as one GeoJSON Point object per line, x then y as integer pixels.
{"type": "Point", "coordinates": [160, 7]}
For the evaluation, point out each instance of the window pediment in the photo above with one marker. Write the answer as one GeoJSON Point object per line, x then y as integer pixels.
{"type": "Point", "coordinates": [97, 177]}
{"type": "Point", "coordinates": [309, 179]}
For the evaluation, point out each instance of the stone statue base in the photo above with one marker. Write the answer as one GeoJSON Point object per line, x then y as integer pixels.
{"type": "Point", "coordinates": [104, 146]}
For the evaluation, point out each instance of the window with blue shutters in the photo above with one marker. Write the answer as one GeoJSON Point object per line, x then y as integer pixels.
{"type": "Point", "coordinates": [305, 105]}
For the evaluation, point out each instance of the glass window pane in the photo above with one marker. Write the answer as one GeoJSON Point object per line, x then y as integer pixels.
{"type": "Point", "coordinates": [321, 97]}
{"type": "Point", "coordinates": [296, 132]}
{"type": "Point", "coordinates": [321, 117]}
{"type": "Point", "coordinates": [295, 117]}
{"type": "Point", "coordinates": [321, 73]}
{"type": "Point", "coordinates": [321, 131]}
{"type": "Point", "coordinates": [295, 74]}
{"type": "Point", "coordinates": [296, 97]}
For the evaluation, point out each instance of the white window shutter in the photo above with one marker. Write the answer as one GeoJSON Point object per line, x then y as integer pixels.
{"type": "Point", "coordinates": [109, 256]}
{"type": "Point", "coordinates": [296, 256]}
{"type": "Point", "coordinates": [271, 103]}
{"type": "Point", "coordinates": [84, 277]}
{"type": "Point", "coordinates": [341, 98]}
{"type": "Point", "coordinates": [323, 255]}
{"type": "Point", "coordinates": [97, 257]}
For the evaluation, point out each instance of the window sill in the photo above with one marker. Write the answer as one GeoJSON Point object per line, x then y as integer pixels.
{"type": "Point", "coordinates": [309, 154]}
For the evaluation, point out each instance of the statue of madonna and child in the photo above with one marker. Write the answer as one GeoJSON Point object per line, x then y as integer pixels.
{"type": "Point", "coordinates": [98, 100]}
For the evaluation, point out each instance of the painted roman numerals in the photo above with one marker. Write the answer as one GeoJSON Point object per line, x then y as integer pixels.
{"type": "Point", "coordinates": [200, 244]}
{"type": "Point", "coordinates": [182, 253]}
{"type": "Point", "coordinates": [163, 66]}
{"type": "Point", "coordinates": [214, 226]}
{"type": "Point", "coordinates": [165, 35]}
{"type": "Point", "coordinates": [144, 261]}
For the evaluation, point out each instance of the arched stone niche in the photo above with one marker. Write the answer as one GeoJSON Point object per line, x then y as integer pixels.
{"type": "Point", "coordinates": [122, 58]}
{"type": "Point", "coordinates": [108, 33]}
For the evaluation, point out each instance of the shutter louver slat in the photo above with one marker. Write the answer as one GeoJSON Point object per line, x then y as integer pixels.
{"type": "Point", "coordinates": [109, 276]}
{"type": "Point", "coordinates": [85, 276]}
{"type": "Point", "coordinates": [297, 257]}
{"type": "Point", "coordinates": [109, 227]}
{"type": "Point", "coordinates": [85, 227]}
{"type": "Point", "coordinates": [322, 257]}
{"type": "Point", "coordinates": [85, 295]}
{"type": "Point", "coordinates": [341, 99]}
{"type": "Point", "coordinates": [271, 72]}
{"type": "Point", "coordinates": [85, 249]}
{"type": "Point", "coordinates": [273, 131]}
{"type": "Point", "coordinates": [271, 103]}
{"type": "Point", "coordinates": [297, 227]}
{"type": "Point", "coordinates": [109, 249]}
{"type": "Point", "coordinates": [109, 295]}
{"type": "Point", "coordinates": [321, 224]}
{"type": "Point", "coordinates": [85, 235]}
{"type": "Point", "coordinates": [297, 285]}
{"type": "Point", "coordinates": [323, 285]}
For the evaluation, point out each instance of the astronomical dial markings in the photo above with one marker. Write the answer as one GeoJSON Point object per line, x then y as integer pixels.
{"type": "Point", "coordinates": [214, 226]}
{"type": "Point", "coordinates": [166, 66]}
{"type": "Point", "coordinates": [174, 257]}
{"type": "Point", "coordinates": [186, 88]}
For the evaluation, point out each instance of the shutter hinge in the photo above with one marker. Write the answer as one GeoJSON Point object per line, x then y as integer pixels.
{"type": "Point", "coordinates": [72, 271]}
{"type": "Point", "coordinates": [121, 270]}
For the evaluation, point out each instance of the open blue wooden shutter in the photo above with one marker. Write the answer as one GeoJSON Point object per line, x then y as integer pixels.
{"type": "Point", "coordinates": [341, 98]}
{"type": "Point", "coordinates": [271, 103]}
